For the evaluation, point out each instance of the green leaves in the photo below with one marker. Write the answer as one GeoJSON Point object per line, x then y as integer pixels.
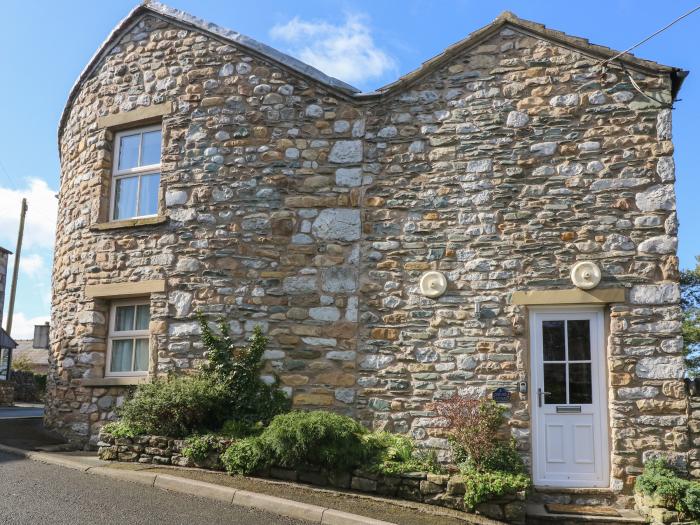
{"type": "Point", "coordinates": [690, 303]}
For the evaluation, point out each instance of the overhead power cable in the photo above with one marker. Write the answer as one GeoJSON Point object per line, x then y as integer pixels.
{"type": "Point", "coordinates": [652, 35]}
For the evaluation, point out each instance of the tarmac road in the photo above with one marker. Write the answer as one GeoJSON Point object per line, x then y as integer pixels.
{"type": "Point", "coordinates": [35, 494]}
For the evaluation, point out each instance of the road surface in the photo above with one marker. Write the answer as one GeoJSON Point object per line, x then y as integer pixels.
{"type": "Point", "coordinates": [37, 494]}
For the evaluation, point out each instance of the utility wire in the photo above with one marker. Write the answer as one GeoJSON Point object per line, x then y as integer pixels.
{"type": "Point", "coordinates": [652, 35]}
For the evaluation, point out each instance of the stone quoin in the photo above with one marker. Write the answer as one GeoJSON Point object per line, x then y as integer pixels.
{"type": "Point", "coordinates": [287, 199]}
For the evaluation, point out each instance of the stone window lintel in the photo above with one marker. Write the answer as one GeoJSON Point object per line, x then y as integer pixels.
{"type": "Point", "coordinates": [130, 289]}
{"type": "Point", "coordinates": [135, 117]}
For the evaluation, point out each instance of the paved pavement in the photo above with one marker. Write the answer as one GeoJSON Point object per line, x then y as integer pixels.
{"type": "Point", "coordinates": [36, 493]}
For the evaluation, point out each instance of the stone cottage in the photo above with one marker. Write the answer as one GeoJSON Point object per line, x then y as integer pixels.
{"type": "Point", "coordinates": [500, 222]}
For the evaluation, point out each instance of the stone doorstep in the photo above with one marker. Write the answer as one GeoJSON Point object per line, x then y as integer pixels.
{"type": "Point", "coordinates": [140, 474]}
{"type": "Point", "coordinates": [537, 513]}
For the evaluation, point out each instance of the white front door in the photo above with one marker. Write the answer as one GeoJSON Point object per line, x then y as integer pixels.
{"type": "Point", "coordinates": [568, 395]}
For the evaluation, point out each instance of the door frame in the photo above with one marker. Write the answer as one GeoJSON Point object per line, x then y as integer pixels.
{"type": "Point", "coordinates": [600, 387]}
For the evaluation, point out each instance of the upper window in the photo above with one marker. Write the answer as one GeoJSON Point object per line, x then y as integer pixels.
{"type": "Point", "coordinates": [136, 173]}
{"type": "Point", "coordinates": [129, 338]}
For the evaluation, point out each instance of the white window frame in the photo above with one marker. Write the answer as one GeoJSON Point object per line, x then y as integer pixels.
{"type": "Point", "coordinates": [139, 170]}
{"type": "Point", "coordinates": [128, 334]}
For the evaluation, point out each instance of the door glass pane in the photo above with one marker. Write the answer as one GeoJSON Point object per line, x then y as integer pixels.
{"type": "Point", "coordinates": [150, 148]}
{"type": "Point", "coordinates": [148, 194]}
{"type": "Point", "coordinates": [553, 340]}
{"type": "Point", "coordinates": [125, 197]}
{"type": "Point", "coordinates": [141, 355]}
{"type": "Point", "coordinates": [129, 151]}
{"type": "Point", "coordinates": [555, 383]}
{"type": "Point", "coordinates": [579, 333]}
{"type": "Point", "coordinates": [121, 355]}
{"type": "Point", "coordinates": [580, 390]}
{"type": "Point", "coordinates": [143, 316]}
{"type": "Point", "coordinates": [124, 319]}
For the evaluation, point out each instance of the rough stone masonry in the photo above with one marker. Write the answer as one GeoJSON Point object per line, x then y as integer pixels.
{"type": "Point", "coordinates": [292, 202]}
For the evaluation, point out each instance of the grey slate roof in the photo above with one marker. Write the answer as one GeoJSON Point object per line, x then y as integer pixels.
{"type": "Point", "coordinates": [227, 35]}
{"type": "Point", "coordinates": [6, 341]}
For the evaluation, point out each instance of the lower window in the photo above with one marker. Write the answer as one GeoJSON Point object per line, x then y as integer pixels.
{"type": "Point", "coordinates": [129, 339]}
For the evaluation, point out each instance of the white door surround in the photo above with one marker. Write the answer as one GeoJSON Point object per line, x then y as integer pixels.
{"type": "Point", "coordinates": [568, 396]}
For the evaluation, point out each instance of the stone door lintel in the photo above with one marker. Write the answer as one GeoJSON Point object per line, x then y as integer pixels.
{"type": "Point", "coordinates": [570, 296]}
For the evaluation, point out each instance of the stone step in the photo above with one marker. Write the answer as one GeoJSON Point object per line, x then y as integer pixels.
{"type": "Point", "coordinates": [537, 513]}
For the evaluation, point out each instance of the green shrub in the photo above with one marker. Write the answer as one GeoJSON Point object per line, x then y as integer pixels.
{"type": "Point", "coordinates": [120, 429]}
{"type": "Point", "coordinates": [504, 457]}
{"type": "Point", "coordinates": [246, 456]}
{"type": "Point", "coordinates": [250, 400]}
{"type": "Point", "coordinates": [396, 454]}
{"type": "Point", "coordinates": [236, 429]}
{"type": "Point", "coordinates": [198, 448]}
{"type": "Point", "coordinates": [176, 407]}
{"type": "Point", "coordinates": [318, 438]}
{"type": "Point", "coordinates": [485, 485]}
{"type": "Point", "coordinates": [661, 480]}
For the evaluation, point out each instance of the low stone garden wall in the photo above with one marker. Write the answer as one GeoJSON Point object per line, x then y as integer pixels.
{"type": "Point", "coordinates": [7, 393]}
{"type": "Point", "coordinates": [434, 489]}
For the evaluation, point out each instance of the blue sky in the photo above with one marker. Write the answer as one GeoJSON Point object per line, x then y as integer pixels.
{"type": "Point", "coordinates": [45, 44]}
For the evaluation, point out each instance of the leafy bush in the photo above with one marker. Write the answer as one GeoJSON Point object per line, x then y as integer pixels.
{"type": "Point", "coordinates": [236, 429]}
{"type": "Point", "coordinates": [250, 400]}
{"type": "Point", "coordinates": [661, 480]}
{"type": "Point", "coordinates": [198, 448]}
{"type": "Point", "coordinates": [474, 426]}
{"type": "Point", "coordinates": [485, 485]}
{"type": "Point", "coordinates": [397, 454]}
{"type": "Point", "coordinates": [317, 438]}
{"type": "Point", "coordinates": [246, 456]}
{"type": "Point", "coordinates": [228, 387]}
{"type": "Point", "coordinates": [176, 407]}
{"type": "Point", "coordinates": [120, 429]}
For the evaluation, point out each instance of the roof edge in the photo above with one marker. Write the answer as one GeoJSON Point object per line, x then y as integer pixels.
{"type": "Point", "coordinates": [507, 18]}
{"type": "Point", "coordinates": [183, 18]}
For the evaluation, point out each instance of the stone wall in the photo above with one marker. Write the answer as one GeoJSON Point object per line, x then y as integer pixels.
{"type": "Point", "coordinates": [7, 393]}
{"type": "Point", "coordinates": [434, 489]}
{"type": "Point", "coordinates": [312, 213]}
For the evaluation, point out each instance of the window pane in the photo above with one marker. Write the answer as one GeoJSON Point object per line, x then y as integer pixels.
{"type": "Point", "coordinates": [148, 197]}
{"type": "Point", "coordinates": [580, 390]}
{"type": "Point", "coordinates": [150, 148]}
{"type": "Point", "coordinates": [579, 340]}
{"type": "Point", "coordinates": [555, 383]}
{"type": "Point", "coordinates": [143, 316]}
{"type": "Point", "coordinates": [121, 355]}
{"type": "Point", "coordinates": [141, 355]}
{"type": "Point", "coordinates": [553, 340]}
{"type": "Point", "coordinates": [129, 151]}
{"type": "Point", "coordinates": [125, 197]}
{"type": "Point", "coordinates": [124, 319]}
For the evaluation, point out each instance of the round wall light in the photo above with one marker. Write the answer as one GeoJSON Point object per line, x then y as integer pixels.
{"type": "Point", "coordinates": [433, 284]}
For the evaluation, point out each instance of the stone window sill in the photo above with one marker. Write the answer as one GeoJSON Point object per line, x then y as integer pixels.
{"type": "Point", "coordinates": [129, 223]}
{"type": "Point", "coordinates": [114, 381]}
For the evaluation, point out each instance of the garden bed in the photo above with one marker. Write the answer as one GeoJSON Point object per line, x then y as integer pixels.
{"type": "Point", "coordinates": [435, 489]}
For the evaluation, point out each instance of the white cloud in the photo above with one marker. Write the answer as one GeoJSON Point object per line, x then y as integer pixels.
{"type": "Point", "coordinates": [346, 51]}
{"type": "Point", "coordinates": [40, 224]}
{"type": "Point", "coordinates": [23, 327]}
{"type": "Point", "coordinates": [32, 264]}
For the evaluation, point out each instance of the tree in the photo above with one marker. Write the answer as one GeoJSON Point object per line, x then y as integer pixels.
{"type": "Point", "coordinates": [690, 303]}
